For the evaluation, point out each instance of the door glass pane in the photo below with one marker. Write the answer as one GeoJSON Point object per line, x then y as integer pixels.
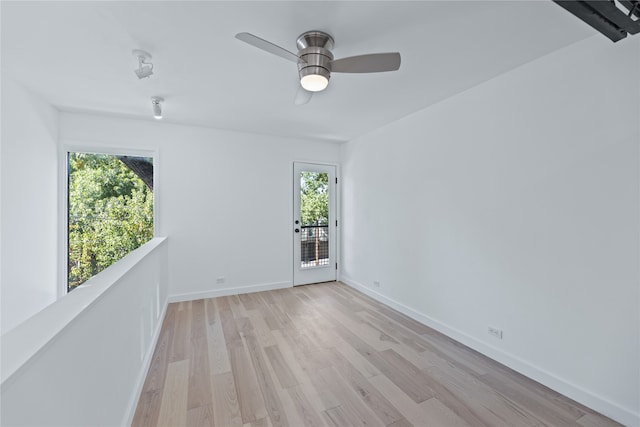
{"type": "Point", "coordinates": [314, 214]}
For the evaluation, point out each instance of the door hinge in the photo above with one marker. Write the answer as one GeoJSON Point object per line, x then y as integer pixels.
{"type": "Point", "coordinates": [336, 265]}
{"type": "Point", "coordinates": [336, 180]}
{"type": "Point", "coordinates": [336, 222]}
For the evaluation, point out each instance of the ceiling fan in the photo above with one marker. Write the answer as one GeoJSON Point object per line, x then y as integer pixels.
{"type": "Point", "coordinates": [315, 61]}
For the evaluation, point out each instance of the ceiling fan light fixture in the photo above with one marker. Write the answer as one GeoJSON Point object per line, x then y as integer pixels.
{"type": "Point", "coordinates": [315, 60]}
{"type": "Point", "coordinates": [313, 78]}
{"type": "Point", "coordinates": [314, 82]}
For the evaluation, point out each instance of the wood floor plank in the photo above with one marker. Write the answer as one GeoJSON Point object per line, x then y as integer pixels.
{"type": "Point", "coordinates": [230, 329]}
{"type": "Point", "coordinates": [180, 342]}
{"type": "Point", "coordinates": [304, 407]}
{"type": "Point", "coordinates": [308, 372]}
{"type": "Point", "coordinates": [336, 417]}
{"type": "Point", "coordinates": [371, 397]}
{"type": "Point", "coordinates": [545, 409]}
{"type": "Point", "coordinates": [440, 415]}
{"type": "Point", "coordinates": [148, 407]}
{"type": "Point", "coordinates": [262, 422]}
{"type": "Point", "coordinates": [198, 320]}
{"type": "Point", "coordinates": [352, 405]}
{"type": "Point", "coordinates": [289, 356]}
{"type": "Point", "coordinates": [406, 376]}
{"type": "Point", "coordinates": [356, 359]}
{"type": "Point", "coordinates": [226, 410]}
{"type": "Point", "coordinates": [482, 401]}
{"type": "Point", "coordinates": [346, 303]}
{"type": "Point", "coordinates": [402, 422]}
{"type": "Point", "coordinates": [594, 420]}
{"type": "Point", "coordinates": [278, 313]}
{"type": "Point", "coordinates": [272, 402]}
{"type": "Point", "coordinates": [374, 337]}
{"type": "Point", "coordinates": [263, 332]}
{"type": "Point", "coordinates": [327, 355]}
{"type": "Point", "coordinates": [223, 304]}
{"type": "Point", "coordinates": [402, 319]}
{"type": "Point", "coordinates": [236, 306]}
{"type": "Point", "coordinates": [269, 318]}
{"type": "Point", "coordinates": [252, 405]}
{"type": "Point", "coordinates": [265, 297]}
{"type": "Point", "coordinates": [411, 381]}
{"type": "Point", "coordinates": [173, 409]}
{"type": "Point", "coordinates": [201, 416]}
{"type": "Point", "coordinates": [284, 374]}
{"type": "Point", "coordinates": [436, 387]}
{"type": "Point", "coordinates": [248, 302]}
{"type": "Point", "coordinates": [309, 356]}
{"type": "Point", "coordinates": [459, 355]}
{"type": "Point", "coordinates": [419, 414]}
{"type": "Point", "coordinates": [387, 326]}
{"type": "Point", "coordinates": [199, 392]}
{"type": "Point", "coordinates": [216, 345]}
{"type": "Point", "coordinates": [289, 408]}
{"type": "Point", "coordinates": [211, 311]}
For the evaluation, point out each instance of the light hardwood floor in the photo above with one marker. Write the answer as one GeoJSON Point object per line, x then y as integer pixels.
{"type": "Point", "coordinates": [327, 355]}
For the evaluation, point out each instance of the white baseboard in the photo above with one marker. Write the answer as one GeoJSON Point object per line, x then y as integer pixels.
{"type": "Point", "coordinates": [577, 393]}
{"type": "Point", "coordinates": [190, 296]}
{"type": "Point", "coordinates": [146, 364]}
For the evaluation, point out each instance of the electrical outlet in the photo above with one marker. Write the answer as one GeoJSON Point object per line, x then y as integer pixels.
{"type": "Point", "coordinates": [376, 284]}
{"type": "Point", "coordinates": [495, 332]}
{"type": "Point", "coordinates": [220, 280]}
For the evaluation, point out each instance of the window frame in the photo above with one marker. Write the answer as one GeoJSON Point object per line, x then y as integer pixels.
{"type": "Point", "coordinates": [63, 196]}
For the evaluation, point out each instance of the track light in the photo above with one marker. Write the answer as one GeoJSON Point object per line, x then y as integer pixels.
{"type": "Point", "coordinates": [145, 68]}
{"type": "Point", "coordinates": [157, 107]}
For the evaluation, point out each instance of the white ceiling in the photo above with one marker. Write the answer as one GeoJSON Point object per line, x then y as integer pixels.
{"type": "Point", "coordinates": [77, 56]}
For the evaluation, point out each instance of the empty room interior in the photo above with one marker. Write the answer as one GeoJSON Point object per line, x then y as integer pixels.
{"type": "Point", "coordinates": [320, 213]}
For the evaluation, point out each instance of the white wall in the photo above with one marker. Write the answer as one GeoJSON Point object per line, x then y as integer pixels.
{"type": "Point", "coordinates": [29, 204]}
{"type": "Point", "coordinates": [515, 204]}
{"type": "Point", "coordinates": [224, 198]}
{"type": "Point", "coordinates": [82, 360]}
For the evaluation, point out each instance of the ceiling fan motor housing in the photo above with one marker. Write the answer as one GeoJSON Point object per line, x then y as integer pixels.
{"type": "Point", "coordinates": [314, 50]}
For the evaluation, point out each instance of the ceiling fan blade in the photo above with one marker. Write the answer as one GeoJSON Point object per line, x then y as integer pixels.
{"type": "Point", "coordinates": [268, 46]}
{"type": "Point", "coordinates": [303, 96]}
{"type": "Point", "coordinates": [372, 63]}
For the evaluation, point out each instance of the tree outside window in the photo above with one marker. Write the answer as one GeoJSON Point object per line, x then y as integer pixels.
{"type": "Point", "coordinates": [110, 211]}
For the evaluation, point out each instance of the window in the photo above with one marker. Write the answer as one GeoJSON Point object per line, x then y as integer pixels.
{"type": "Point", "coordinates": [110, 211]}
{"type": "Point", "coordinates": [314, 212]}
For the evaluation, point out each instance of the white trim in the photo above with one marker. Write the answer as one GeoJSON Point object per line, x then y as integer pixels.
{"type": "Point", "coordinates": [63, 208]}
{"type": "Point", "coordinates": [80, 147]}
{"type": "Point", "coordinates": [213, 293]}
{"type": "Point", "coordinates": [146, 365]}
{"type": "Point", "coordinates": [598, 403]}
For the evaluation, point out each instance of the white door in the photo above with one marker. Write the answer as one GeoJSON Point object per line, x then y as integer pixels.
{"type": "Point", "coordinates": [314, 223]}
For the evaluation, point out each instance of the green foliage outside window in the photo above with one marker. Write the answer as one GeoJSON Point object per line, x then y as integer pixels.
{"type": "Point", "coordinates": [314, 198]}
{"type": "Point", "coordinates": [110, 214]}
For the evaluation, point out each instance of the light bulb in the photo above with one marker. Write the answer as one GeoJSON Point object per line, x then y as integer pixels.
{"type": "Point", "coordinates": [314, 82]}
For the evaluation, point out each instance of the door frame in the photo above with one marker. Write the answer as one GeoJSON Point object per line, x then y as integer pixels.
{"type": "Point", "coordinates": [338, 211]}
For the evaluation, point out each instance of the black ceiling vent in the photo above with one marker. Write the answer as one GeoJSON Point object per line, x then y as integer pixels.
{"type": "Point", "coordinates": [607, 16]}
